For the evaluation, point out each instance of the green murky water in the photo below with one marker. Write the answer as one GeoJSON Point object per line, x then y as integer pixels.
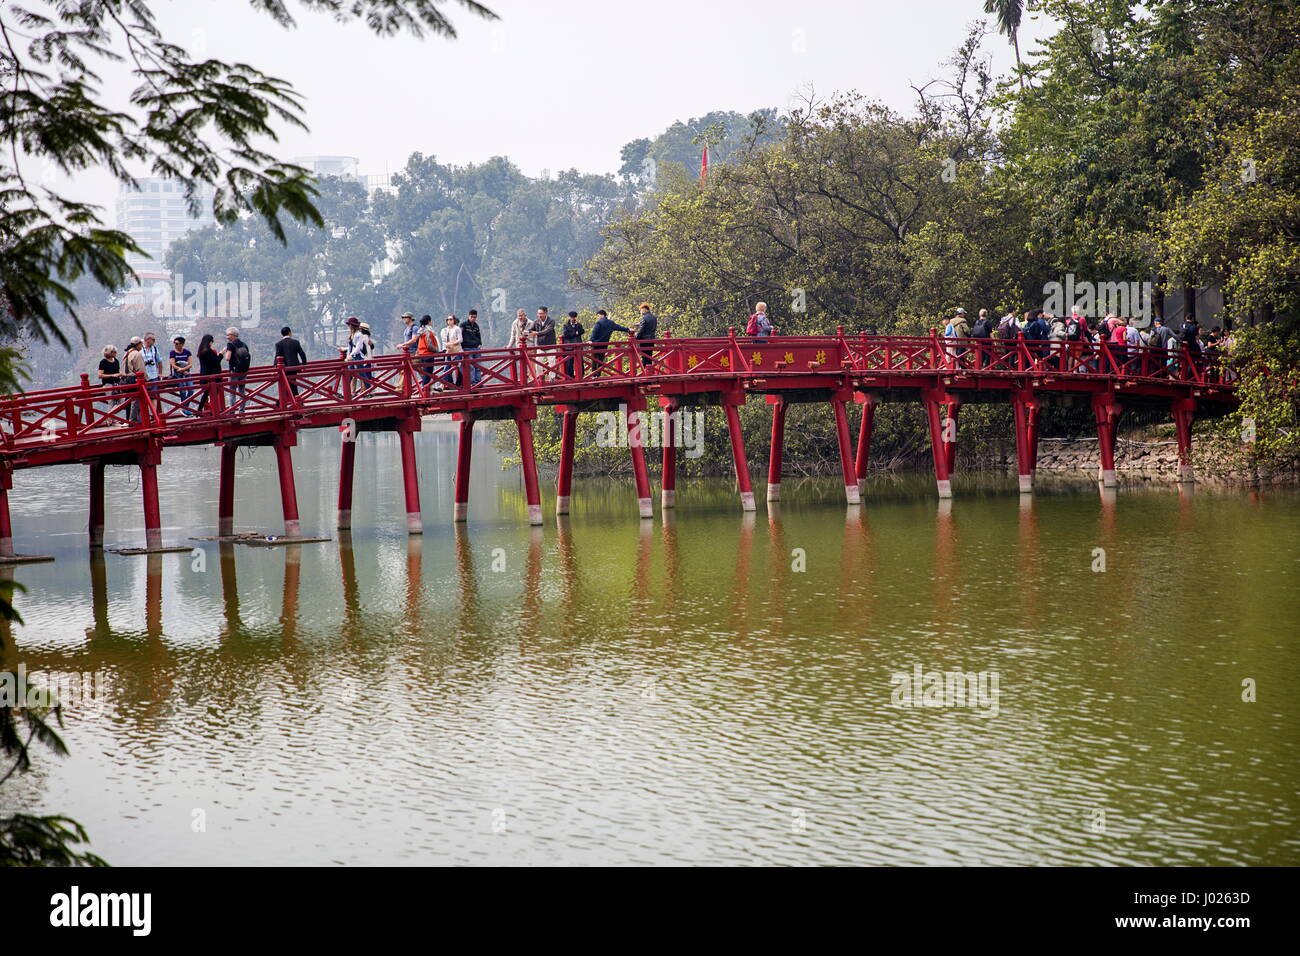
{"type": "Point", "coordinates": [708, 687]}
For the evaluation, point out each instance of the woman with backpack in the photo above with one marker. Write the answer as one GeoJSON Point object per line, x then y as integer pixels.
{"type": "Point", "coordinates": [239, 360]}
{"type": "Point", "coordinates": [759, 326]}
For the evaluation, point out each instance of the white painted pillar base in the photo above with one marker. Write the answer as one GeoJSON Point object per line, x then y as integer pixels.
{"type": "Point", "coordinates": [7, 547]}
{"type": "Point", "coordinates": [152, 538]}
{"type": "Point", "coordinates": [414, 523]}
{"type": "Point", "coordinates": [293, 529]}
{"type": "Point", "coordinates": [344, 520]}
{"type": "Point", "coordinates": [851, 493]}
{"type": "Point", "coordinates": [1108, 479]}
{"type": "Point", "coordinates": [1185, 472]}
{"type": "Point", "coordinates": [774, 491]}
{"type": "Point", "coordinates": [945, 488]}
{"type": "Point", "coordinates": [646, 507]}
{"type": "Point", "coordinates": [668, 498]}
{"type": "Point", "coordinates": [746, 501]}
{"type": "Point", "coordinates": [225, 526]}
{"type": "Point", "coordinates": [862, 487]}
{"type": "Point", "coordinates": [562, 504]}
{"type": "Point", "coordinates": [460, 511]}
{"type": "Point", "coordinates": [534, 514]}
{"type": "Point", "coordinates": [1026, 484]}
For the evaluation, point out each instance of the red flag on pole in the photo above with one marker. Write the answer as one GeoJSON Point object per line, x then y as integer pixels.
{"type": "Point", "coordinates": [704, 163]}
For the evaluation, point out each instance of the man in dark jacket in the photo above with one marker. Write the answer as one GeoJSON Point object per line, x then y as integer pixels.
{"type": "Point", "coordinates": [543, 332]}
{"type": "Point", "coordinates": [544, 328]}
{"type": "Point", "coordinates": [645, 331]}
{"type": "Point", "coordinates": [600, 333]}
{"type": "Point", "coordinates": [571, 335]}
{"type": "Point", "coordinates": [471, 340]}
{"type": "Point", "coordinates": [289, 351]}
{"type": "Point", "coordinates": [1191, 336]}
{"type": "Point", "coordinates": [1037, 332]}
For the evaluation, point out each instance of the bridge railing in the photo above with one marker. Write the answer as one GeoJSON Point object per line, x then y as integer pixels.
{"type": "Point", "coordinates": [400, 379]}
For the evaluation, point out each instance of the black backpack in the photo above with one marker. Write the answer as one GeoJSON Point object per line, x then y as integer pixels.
{"type": "Point", "coordinates": [240, 358]}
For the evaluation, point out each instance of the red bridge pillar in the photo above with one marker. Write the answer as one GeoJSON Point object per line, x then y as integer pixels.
{"type": "Point", "coordinates": [730, 404]}
{"type": "Point", "coordinates": [1107, 410]}
{"type": "Point", "coordinates": [284, 442]}
{"type": "Point", "coordinates": [347, 465]}
{"type": "Point", "coordinates": [776, 448]}
{"type": "Point", "coordinates": [149, 494]}
{"type": "Point", "coordinates": [406, 430]}
{"type": "Point", "coordinates": [950, 434]}
{"type": "Point", "coordinates": [847, 465]}
{"type": "Point", "coordinates": [464, 449]}
{"type": "Point", "coordinates": [868, 401]}
{"type": "Point", "coordinates": [528, 461]}
{"type": "Point", "coordinates": [96, 505]}
{"type": "Point", "coordinates": [636, 428]}
{"type": "Point", "coordinates": [564, 481]}
{"type": "Point", "coordinates": [6, 526]}
{"type": "Point", "coordinates": [226, 492]}
{"type": "Point", "coordinates": [1184, 410]}
{"type": "Point", "coordinates": [1026, 415]}
{"type": "Point", "coordinates": [668, 478]}
{"type": "Point", "coordinates": [939, 432]}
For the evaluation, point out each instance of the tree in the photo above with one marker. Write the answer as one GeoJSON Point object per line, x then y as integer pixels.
{"type": "Point", "coordinates": [197, 122]}
{"type": "Point", "coordinates": [1008, 13]}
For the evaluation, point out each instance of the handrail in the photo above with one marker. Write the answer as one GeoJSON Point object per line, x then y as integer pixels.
{"type": "Point", "coordinates": [403, 379]}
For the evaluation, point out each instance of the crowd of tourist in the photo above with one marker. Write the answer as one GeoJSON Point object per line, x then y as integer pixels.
{"type": "Point", "coordinates": [549, 350]}
{"type": "Point", "coordinates": [1079, 343]}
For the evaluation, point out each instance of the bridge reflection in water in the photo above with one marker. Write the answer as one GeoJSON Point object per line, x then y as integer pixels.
{"type": "Point", "coordinates": [657, 691]}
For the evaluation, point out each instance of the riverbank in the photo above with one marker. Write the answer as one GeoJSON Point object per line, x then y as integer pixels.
{"type": "Point", "coordinates": [1156, 457]}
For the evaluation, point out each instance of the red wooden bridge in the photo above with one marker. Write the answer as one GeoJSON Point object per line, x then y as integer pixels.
{"type": "Point", "coordinates": [132, 424]}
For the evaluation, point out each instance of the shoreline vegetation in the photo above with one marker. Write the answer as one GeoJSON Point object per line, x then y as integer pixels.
{"type": "Point", "coordinates": [1148, 452]}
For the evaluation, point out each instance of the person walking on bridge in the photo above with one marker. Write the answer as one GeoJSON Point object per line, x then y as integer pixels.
{"type": "Point", "coordinates": [1036, 332]}
{"type": "Point", "coordinates": [209, 366]}
{"type": "Point", "coordinates": [355, 353]}
{"type": "Point", "coordinates": [982, 330]}
{"type": "Point", "coordinates": [957, 328]}
{"type": "Point", "coordinates": [1191, 336]}
{"type": "Point", "coordinates": [451, 345]}
{"type": "Point", "coordinates": [109, 373]}
{"type": "Point", "coordinates": [543, 330]}
{"type": "Point", "coordinates": [290, 352]}
{"type": "Point", "coordinates": [646, 331]}
{"type": "Point", "coordinates": [471, 340]}
{"type": "Point", "coordinates": [239, 360]}
{"type": "Point", "coordinates": [410, 332]}
{"type": "Point", "coordinates": [152, 360]}
{"type": "Point", "coordinates": [759, 325]}
{"type": "Point", "coordinates": [426, 350]}
{"type": "Point", "coordinates": [571, 335]}
{"type": "Point", "coordinates": [600, 333]}
{"type": "Point", "coordinates": [180, 365]}
{"type": "Point", "coordinates": [521, 337]}
{"type": "Point", "coordinates": [134, 367]}
{"type": "Point", "coordinates": [1008, 328]}
{"type": "Point", "coordinates": [1164, 339]}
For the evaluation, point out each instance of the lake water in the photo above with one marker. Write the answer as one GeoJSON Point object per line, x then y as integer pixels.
{"type": "Point", "coordinates": [709, 687]}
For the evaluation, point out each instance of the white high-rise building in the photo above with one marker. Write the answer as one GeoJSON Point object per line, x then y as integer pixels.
{"type": "Point", "coordinates": [154, 212]}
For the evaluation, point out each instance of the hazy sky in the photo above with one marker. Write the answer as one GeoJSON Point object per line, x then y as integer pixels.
{"type": "Point", "coordinates": [562, 84]}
